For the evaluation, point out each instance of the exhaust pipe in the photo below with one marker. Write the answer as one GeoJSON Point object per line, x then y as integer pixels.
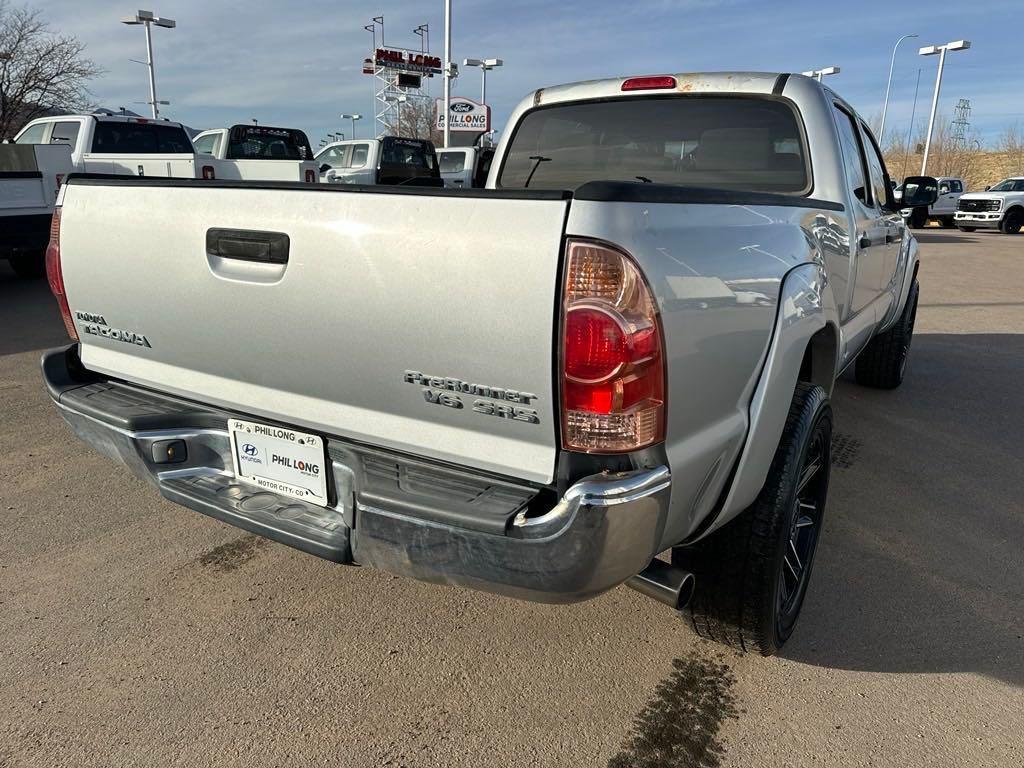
{"type": "Point", "coordinates": [665, 583]}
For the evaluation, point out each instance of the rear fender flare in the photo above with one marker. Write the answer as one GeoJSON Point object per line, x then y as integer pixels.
{"type": "Point", "coordinates": [806, 306]}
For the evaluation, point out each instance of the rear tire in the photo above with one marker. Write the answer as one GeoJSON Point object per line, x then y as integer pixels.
{"type": "Point", "coordinates": [883, 363]}
{"type": "Point", "coordinates": [918, 218]}
{"type": "Point", "coordinates": [752, 574]}
{"type": "Point", "coordinates": [946, 222]}
{"type": "Point", "coordinates": [28, 265]}
{"type": "Point", "coordinates": [1012, 222]}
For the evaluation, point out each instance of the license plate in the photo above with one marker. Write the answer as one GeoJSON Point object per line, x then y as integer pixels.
{"type": "Point", "coordinates": [280, 459]}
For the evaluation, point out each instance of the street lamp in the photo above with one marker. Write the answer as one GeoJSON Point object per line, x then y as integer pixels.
{"type": "Point", "coordinates": [931, 50]}
{"type": "Point", "coordinates": [353, 118]}
{"type": "Point", "coordinates": [484, 64]}
{"type": "Point", "coordinates": [147, 19]}
{"type": "Point", "coordinates": [817, 74]}
{"type": "Point", "coordinates": [448, 73]}
{"type": "Point", "coordinates": [888, 86]}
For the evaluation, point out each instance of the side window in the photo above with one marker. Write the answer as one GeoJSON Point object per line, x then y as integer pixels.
{"type": "Point", "coordinates": [33, 134]}
{"type": "Point", "coordinates": [944, 188]}
{"type": "Point", "coordinates": [359, 155]}
{"type": "Point", "coordinates": [853, 157]}
{"type": "Point", "coordinates": [205, 144]}
{"type": "Point", "coordinates": [334, 157]}
{"type": "Point", "coordinates": [65, 133]}
{"type": "Point", "coordinates": [879, 177]}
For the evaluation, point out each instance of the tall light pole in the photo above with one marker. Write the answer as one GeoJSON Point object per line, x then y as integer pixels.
{"type": "Point", "coordinates": [353, 118]}
{"type": "Point", "coordinates": [399, 100]}
{"type": "Point", "coordinates": [931, 50]}
{"type": "Point", "coordinates": [484, 64]}
{"type": "Point", "coordinates": [817, 74]}
{"type": "Point", "coordinates": [147, 19]}
{"type": "Point", "coordinates": [888, 87]}
{"type": "Point", "coordinates": [447, 72]}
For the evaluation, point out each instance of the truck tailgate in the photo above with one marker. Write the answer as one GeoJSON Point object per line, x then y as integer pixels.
{"type": "Point", "coordinates": [379, 286]}
{"type": "Point", "coordinates": [174, 165]}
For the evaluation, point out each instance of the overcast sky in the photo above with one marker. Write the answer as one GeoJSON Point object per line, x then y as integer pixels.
{"type": "Point", "coordinates": [298, 64]}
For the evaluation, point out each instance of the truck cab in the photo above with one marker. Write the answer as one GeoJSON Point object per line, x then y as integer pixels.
{"type": "Point", "coordinates": [465, 167]}
{"type": "Point", "coordinates": [255, 152]}
{"type": "Point", "coordinates": [118, 144]}
{"type": "Point", "coordinates": [387, 160]}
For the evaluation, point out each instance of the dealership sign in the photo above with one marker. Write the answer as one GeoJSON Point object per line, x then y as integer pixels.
{"type": "Point", "coordinates": [466, 115]}
{"type": "Point", "coordinates": [407, 61]}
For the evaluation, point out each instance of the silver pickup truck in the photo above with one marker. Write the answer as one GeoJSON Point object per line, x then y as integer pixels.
{"type": "Point", "coordinates": [623, 346]}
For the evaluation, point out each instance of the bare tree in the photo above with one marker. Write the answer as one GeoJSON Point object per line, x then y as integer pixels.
{"type": "Point", "coordinates": [418, 121]}
{"type": "Point", "coordinates": [40, 71]}
{"type": "Point", "coordinates": [1011, 144]}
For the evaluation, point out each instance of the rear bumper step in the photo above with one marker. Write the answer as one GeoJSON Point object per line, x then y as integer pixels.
{"type": "Point", "coordinates": [317, 530]}
{"type": "Point", "coordinates": [404, 515]}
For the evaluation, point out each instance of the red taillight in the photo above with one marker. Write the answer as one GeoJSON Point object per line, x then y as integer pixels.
{"type": "Point", "coordinates": [209, 173]}
{"type": "Point", "coordinates": [310, 176]}
{"type": "Point", "coordinates": [650, 83]}
{"type": "Point", "coordinates": [613, 375]}
{"type": "Point", "coordinates": [54, 276]}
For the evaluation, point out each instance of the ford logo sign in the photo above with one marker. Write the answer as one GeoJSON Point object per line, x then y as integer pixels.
{"type": "Point", "coordinates": [462, 107]}
{"type": "Point", "coordinates": [249, 449]}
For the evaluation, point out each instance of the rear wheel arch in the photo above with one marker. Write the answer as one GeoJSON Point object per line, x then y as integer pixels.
{"type": "Point", "coordinates": [821, 361]}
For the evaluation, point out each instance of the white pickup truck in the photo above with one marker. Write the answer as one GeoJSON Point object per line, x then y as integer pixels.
{"type": "Point", "coordinates": [999, 207]}
{"type": "Point", "coordinates": [625, 344]}
{"type": "Point", "coordinates": [255, 153]}
{"type": "Point", "coordinates": [30, 177]}
{"type": "Point", "coordinates": [65, 144]}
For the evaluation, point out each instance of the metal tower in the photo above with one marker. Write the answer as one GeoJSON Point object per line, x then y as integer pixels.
{"type": "Point", "coordinates": [394, 86]}
{"type": "Point", "coordinates": [961, 123]}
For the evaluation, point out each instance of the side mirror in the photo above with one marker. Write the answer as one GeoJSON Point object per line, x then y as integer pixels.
{"type": "Point", "coordinates": [325, 168]}
{"type": "Point", "coordinates": [919, 191]}
{"type": "Point", "coordinates": [988, 188]}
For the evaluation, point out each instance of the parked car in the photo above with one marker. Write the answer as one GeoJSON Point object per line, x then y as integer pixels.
{"type": "Point", "coordinates": [532, 390]}
{"type": "Point", "coordinates": [49, 148]}
{"type": "Point", "coordinates": [998, 207]}
{"type": "Point", "coordinates": [944, 208]}
{"type": "Point", "coordinates": [29, 179]}
{"type": "Point", "coordinates": [387, 160]}
{"type": "Point", "coordinates": [256, 152]}
{"type": "Point", "coordinates": [465, 167]}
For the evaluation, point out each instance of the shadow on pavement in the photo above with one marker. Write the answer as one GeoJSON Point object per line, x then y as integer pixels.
{"type": "Point", "coordinates": [29, 318]}
{"type": "Point", "coordinates": [921, 568]}
{"type": "Point", "coordinates": [938, 236]}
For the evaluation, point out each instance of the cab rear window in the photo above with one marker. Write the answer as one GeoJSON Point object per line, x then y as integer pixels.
{"type": "Point", "coordinates": [741, 143]}
{"type": "Point", "coordinates": [114, 137]}
{"type": "Point", "coordinates": [260, 142]}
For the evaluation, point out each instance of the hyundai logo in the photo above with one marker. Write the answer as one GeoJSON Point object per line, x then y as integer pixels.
{"type": "Point", "coordinates": [249, 449]}
{"type": "Point", "coordinates": [461, 106]}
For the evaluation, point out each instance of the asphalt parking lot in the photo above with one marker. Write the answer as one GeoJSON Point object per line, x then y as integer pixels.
{"type": "Point", "coordinates": [135, 632]}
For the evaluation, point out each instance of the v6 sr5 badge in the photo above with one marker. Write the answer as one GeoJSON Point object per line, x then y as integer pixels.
{"type": "Point", "coordinates": [484, 399]}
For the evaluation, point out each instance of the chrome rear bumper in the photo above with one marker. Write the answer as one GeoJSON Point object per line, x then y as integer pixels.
{"type": "Point", "coordinates": [403, 515]}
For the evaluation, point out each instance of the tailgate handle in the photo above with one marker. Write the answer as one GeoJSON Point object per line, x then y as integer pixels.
{"type": "Point", "coordinates": [248, 245]}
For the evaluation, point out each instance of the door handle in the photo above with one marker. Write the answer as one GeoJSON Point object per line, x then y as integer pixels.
{"type": "Point", "coordinates": [865, 241]}
{"type": "Point", "coordinates": [248, 245]}
{"type": "Point", "coordinates": [890, 238]}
